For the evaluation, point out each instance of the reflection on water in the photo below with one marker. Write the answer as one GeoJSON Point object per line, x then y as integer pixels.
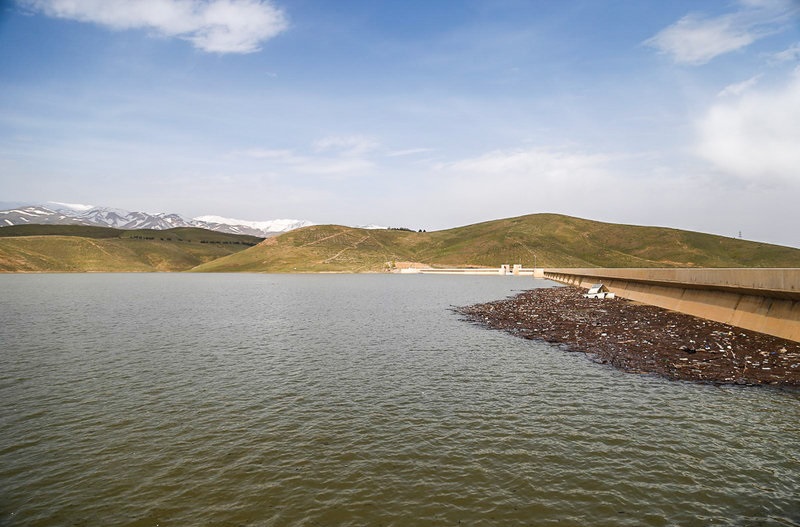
{"type": "Point", "coordinates": [360, 400]}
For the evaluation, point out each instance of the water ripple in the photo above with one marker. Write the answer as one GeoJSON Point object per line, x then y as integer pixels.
{"type": "Point", "coordinates": [354, 400]}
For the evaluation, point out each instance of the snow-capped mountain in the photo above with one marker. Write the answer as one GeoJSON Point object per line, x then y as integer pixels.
{"type": "Point", "coordinates": [271, 226]}
{"type": "Point", "coordinates": [39, 215]}
{"type": "Point", "coordinates": [123, 219]}
{"type": "Point", "coordinates": [69, 214]}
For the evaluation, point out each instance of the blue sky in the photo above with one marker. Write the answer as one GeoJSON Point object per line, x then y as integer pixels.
{"type": "Point", "coordinates": [420, 114]}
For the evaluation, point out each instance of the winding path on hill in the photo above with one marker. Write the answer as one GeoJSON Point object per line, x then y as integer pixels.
{"type": "Point", "coordinates": [354, 246]}
{"type": "Point", "coordinates": [323, 239]}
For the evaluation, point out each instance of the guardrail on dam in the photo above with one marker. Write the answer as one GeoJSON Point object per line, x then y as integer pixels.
{"type": "Point", "coordinates": [763, 300]}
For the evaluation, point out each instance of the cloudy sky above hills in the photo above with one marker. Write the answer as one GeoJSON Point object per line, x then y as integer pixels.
{"type": "Point", "coordinates": [420, 114]}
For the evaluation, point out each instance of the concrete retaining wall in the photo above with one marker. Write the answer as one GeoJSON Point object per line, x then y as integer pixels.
{"type": "Point", "coordinates": [763, 300]}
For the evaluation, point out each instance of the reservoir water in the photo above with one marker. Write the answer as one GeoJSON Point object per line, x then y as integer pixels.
{"type": "Point", "coordinates": [171, 399]}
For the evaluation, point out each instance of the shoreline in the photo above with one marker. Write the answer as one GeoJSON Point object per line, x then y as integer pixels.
{"type": "Point", "coordinates": [639, 338]}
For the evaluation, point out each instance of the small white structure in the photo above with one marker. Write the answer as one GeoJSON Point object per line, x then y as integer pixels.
{"type": "Point", "coordinates": [599, 291]}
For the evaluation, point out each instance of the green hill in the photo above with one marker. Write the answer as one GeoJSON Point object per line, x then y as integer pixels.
{"type": "Point", "coordinates": [83, 231]}
{"type": "Point", "coordinates": [554, 240]}
{"type": "Point", "coordinates": [73, 248]}
{"type": "Point", "coordinates": [322, 248]}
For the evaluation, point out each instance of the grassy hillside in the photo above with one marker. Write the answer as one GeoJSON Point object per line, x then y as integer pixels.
{"type": "Point", "coordinates": [563, 241]}
{"type": "Point", "coordinates": [84, 231]}
{"type": "Point", "coordinates": [321, 248]}
{"type": "Point", "coordinates": [555, 240]}
{"type": "Point", "coordinates": [71, 248]}
{"type": "Point", "coordinates": [188, 234]}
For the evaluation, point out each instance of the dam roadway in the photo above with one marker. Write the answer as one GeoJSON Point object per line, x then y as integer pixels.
{"type": "Point", "coordinates": [763, 300]}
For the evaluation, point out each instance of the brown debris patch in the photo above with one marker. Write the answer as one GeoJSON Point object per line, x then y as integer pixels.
{"type": "Point", "coordinates": [644, 339]}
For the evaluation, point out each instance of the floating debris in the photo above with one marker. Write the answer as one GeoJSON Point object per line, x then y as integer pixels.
{"type": "Point", "coordinates": [641, 338]}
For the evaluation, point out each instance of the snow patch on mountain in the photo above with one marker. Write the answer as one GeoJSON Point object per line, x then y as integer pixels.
{"type": "Point", "coordinates": [271, 226]}
{"type": "Point", "coordinates": [79, 207]}
{"type": "Point", "coordinates": [371, 226]}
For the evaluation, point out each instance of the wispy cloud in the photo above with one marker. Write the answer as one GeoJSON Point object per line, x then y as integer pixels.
{"type": "Point", "coordinates": [536, 164]}
{"type": "Point", "coordinates": [509, 182]}
{"type": "Point", "coordinates": [218, 26]}
{"type": "Point", "coordinates": [264, 153]}
{"type": "Point", "coordinates": [695, 39]}
{"type": "Point", "coordinates": [755, 136]}
{"type": "Point", "coordinates": [739, 87]}
{"type": "Point", "coordinates": [332, 157]}
{"type": "Point", "coordinates": [409, 152]}
{"type": "Point", "coordinates": [351, 145]}
{"type": "Point", "coordinates": [524, 180]}
{"type": "Point", "coordinates": [789, 54]}
{"type": "Point", "coordinates": [334, 167]}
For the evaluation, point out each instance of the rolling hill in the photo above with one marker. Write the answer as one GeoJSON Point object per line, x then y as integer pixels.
{"type": "Point", "coordinates": [76, 248]}
{"type": "Point", "coordinates": [554, 240]}
{"type": "Point", "coordinates": [551, 240]}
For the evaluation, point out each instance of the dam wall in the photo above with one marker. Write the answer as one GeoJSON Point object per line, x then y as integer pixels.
{"type": "Point", "coordinates": [503, 270]}
{"type": "Point", "coordinates": [763, 300]}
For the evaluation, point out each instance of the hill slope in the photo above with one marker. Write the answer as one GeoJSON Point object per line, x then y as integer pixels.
{"type": "Point", "coordinates": [322, 248]}
{"type": "Point", "coordinates": [72, 248]}
{"type": "Point", "coordinates": [555, 241]}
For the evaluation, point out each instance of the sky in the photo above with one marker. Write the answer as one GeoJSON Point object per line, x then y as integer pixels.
{"type": "Point", "coordinates": [418, 114]}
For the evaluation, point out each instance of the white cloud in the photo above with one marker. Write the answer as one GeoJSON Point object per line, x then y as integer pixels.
{"type": "Point", "coordinates": [535, 164]}
{"type": "Point", "coordinates": [218, 26]}
{"type": "Point", "coordinates": [342, 167]}
{"type": "Point", "coordinates": [263, 153]}
{"type": "Point", "coordinates": [789, 54]}
{"type": "Point", "coordinates": [352, 145]}
{"type": "Point", "coordinates": [756, 136]}
{"type": "Point", "coordinates": [511, 182]}
{"type": "Point", "coordinates": [739, 87]}
{"type": "Point", "coordinates": [345, 161]}
{"type": "Point", "coordinates": [695, 39]}
{"type": "Point", "coordinates": [409, 152]}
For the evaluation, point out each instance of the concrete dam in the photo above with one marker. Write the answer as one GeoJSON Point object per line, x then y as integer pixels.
{"type": "Point", "coordinates": [763, 300]}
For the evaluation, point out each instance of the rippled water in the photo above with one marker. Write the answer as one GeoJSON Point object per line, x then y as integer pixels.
{"type": "Point", "coordinates": [167, 399]}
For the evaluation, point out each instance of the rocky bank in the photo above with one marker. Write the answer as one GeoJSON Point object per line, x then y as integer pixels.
{"type": "Point", "coordinates": [640, 338]}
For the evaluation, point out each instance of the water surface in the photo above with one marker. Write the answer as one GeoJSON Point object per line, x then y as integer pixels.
{"type": "Point", "coordinates": [169, 399]}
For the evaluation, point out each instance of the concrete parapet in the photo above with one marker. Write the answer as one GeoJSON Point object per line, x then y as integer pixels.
{"type": "Point", "coordinates": [763, 300]}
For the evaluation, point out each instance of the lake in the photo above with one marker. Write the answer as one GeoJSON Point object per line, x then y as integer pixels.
{"type": "Point", "coordinates": [248, 399]}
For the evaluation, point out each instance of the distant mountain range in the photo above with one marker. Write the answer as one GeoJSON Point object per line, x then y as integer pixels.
{"type": "Point", "coordinates": [62, 214]}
